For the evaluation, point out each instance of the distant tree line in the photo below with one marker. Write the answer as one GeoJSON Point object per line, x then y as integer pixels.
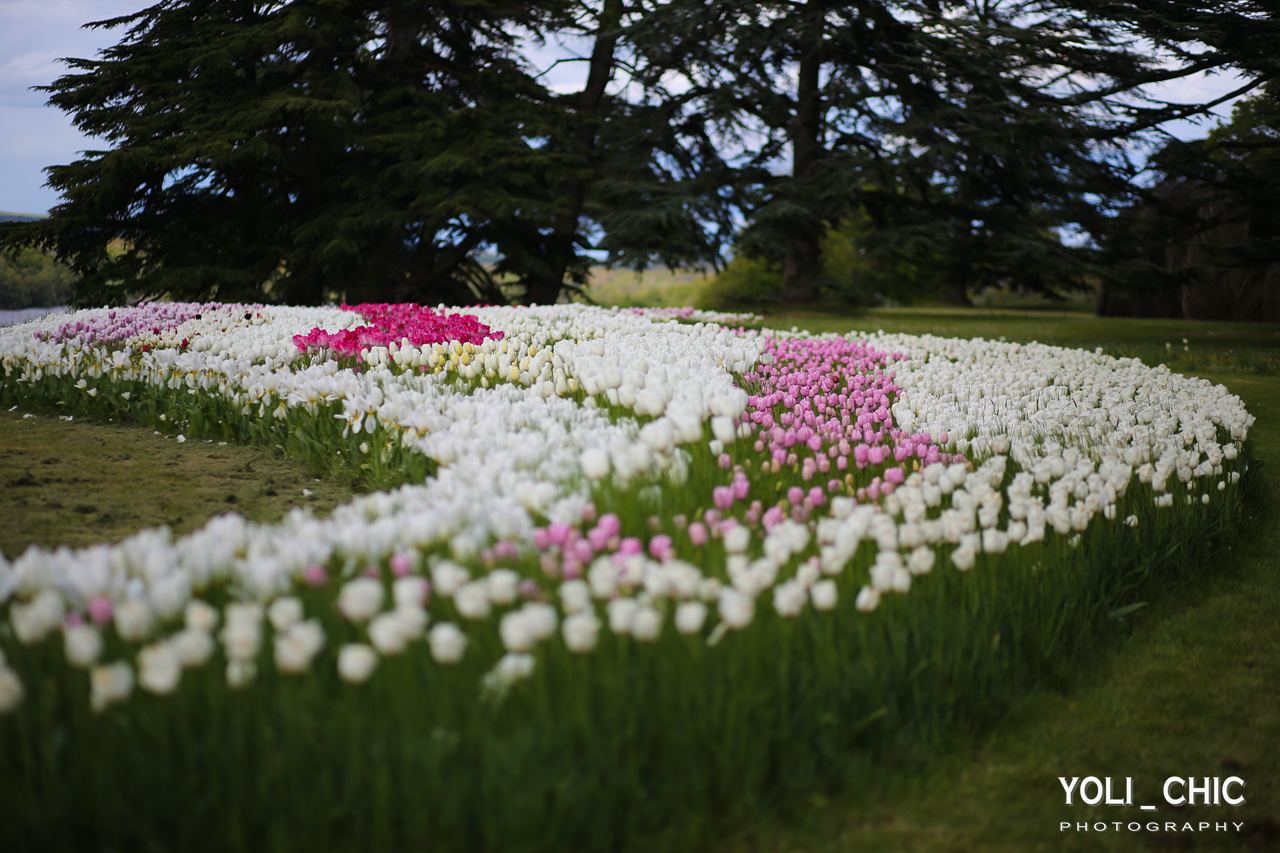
{"type": "Point", "coordinates": [308, 150]}
{"type": "Point", "coordinates": [32, 279]}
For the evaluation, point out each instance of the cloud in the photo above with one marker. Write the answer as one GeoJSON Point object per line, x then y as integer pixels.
{"type": "Point", "coordinates": [34, 35]}
{"type": "Point", "coordinates": [40, 137]}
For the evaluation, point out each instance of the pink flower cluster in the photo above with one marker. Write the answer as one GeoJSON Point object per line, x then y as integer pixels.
{"type": "Point", "coordinates": [400, 324]}
{"type": "Point", "coordinates": [122, 324]}
{"type": "Point", "coordinates": [567, 550]}
{"type": "Point", "coordinates": [835, 396]}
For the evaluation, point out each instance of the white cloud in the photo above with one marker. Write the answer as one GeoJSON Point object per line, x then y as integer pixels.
{"type": "Point", "coordinates": [34, 34]}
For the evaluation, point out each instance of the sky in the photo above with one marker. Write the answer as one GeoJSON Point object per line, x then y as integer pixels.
{"type": "Point", "coordinates": [34, 34]}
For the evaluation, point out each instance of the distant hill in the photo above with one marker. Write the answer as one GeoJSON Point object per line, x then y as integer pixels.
{"type": "Point", "coordinates": [21, 217]}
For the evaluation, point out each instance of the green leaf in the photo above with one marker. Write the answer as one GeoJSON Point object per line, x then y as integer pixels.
{"type": "Point", "coordinates": [1121, 612]}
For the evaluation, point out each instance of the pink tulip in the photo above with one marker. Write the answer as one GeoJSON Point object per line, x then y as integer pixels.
{"type": "Point", "coordinates": [660, 547]}
{"type": "Point", "coordinates": [698, 534]}
{"type": "Point", "coordinates": [400, 565]}
{"type": "Point", "coordinates": [100, 610]}
{"type": "Point", "coordinates": [315, 576]}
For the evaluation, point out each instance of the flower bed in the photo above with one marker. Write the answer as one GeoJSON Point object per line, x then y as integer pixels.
{"type": "Point", "coordinates": [633, 564]}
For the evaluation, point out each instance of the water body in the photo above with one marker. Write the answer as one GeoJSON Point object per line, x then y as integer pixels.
{"type": "Point", "coordinates": [10, 318]}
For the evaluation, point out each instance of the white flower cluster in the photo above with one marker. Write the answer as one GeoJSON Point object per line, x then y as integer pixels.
{"type": "Point", "coordinates": [516, 448]}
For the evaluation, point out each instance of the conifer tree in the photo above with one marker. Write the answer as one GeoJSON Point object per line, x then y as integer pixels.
{"type": "Point", "coordinates": [300, 150]}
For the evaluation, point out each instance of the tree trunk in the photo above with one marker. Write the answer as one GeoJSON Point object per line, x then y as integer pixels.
{"type": "Point", "coordinates": [800, 269]}
{"type": "Point", "coordinates": [957, 291]}
{"type": "Point", "coordinates": [803, 263]}
{"type": "Point", "coordinates": [545, 290]}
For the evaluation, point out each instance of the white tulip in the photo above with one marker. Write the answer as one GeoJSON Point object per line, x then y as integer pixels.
{"type": "Point", "coordinates": [385, 634]}
{"type": "Point", "coordinates": [10, 690]}
{"type": "Point", "coordinates": [885, 571]}
{"type": "Point", "coordinates": [447, 577]}
{"type": "Point", "coordinates": [901, 581]}
{"type": "Point", "coordinates": [824, 595]}
{"type": "Point", "coordinates": [472, 600]}
{"type": "Point", "coordinates": [603, 577]}
{"type": "Point", "coordinates": [921, 560]}
{"type": "Point", "coordinates": [284, 613]}
{"type": "Point", "coordinates": [356, 662]}
{"type": "Point", "coordinates": [736, 609]}
{"type": "Point", "coordinates": [808, 574]}
{"type": "Point", "coordinates": [360, 599]}
{"type": "Point", "coordinates": [34, 621]}
{"type": "Point", "coordinates": [622, 615]}
{"type": "Point", "coordinates": [503, 586]}
{"type": "Point", "coordinates": [516, 632]}
{"type": "Point", "coordinates": [994, 541]}
{"type": "Point", "coordinates": [724, 429]}
{"type": "Point", "coordinates": [37, 619]}
{"type": "Point", "coordinates": [963, 558]}
{"type": "Point", "coordinates": [109, 684]}
{"type": "Point", "coordinates": [580, 631]}
{"type": "Point", "coordinates": [513, 667]}
{"type": "Point", "coordinates": [411, 622]}
{"type": "Point", "coordinates": [410, 591]}
{"type": "Point", "coordinates": [690, 617]}
{"type": "Point", "coordinates": [83, 645]}
{"type": "Point", "coordinates": [646, 625]}
{"type": "Point", "coordinates": [169, 594]}
{"type": "Point", "coordinates": [737, 539]}
{"type": "Point", "coordinates": [242, 638]}
{"type": "Point", "coordinates": [658, 435]}
{"type": "Point", "coordinates": [133, 620]}
{"type": "Point", "coordinates": [542, 620]}
{"type": "Point", "coordinates": [575, 596]}
{"type": "Point", "coordinates": [595, 463]}
{"type": "Point", "coordinates": [246, 613]}
{"type": "Point", "coordinates": [448, 643]}
{"type": "Point", "coordinates": [159, 669]}
{"type": "Point", "coordinates": [868, 599]}
{"type": "Point", "coordinates": [193, 647]}
{"type": "Point", "coordinates": [788, 599]}
{"type": "Point", "coordinates": [200, 616]}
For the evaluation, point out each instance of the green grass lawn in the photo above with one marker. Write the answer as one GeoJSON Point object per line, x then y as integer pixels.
{"type": "Point", "coordinates": [1189, 686]}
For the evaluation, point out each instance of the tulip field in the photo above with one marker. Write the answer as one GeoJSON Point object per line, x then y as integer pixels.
{"type": "Point", "coordinates": [621, 568]}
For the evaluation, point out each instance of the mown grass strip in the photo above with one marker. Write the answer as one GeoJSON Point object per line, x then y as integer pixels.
{"type": "Point", "coordinates": [79, 483]}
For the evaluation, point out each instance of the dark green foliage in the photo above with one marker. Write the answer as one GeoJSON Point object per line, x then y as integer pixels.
{"type": "Point", "coordinates": [851, 273]}
{"type": "Point", "coordinates": [969, 132]}
{"type": "Point", "coordinates": [744, 281]}
{"type": "Point", "coordinates": [1205, 241]}
{"type": "Point", "coordinates": [307, 150]}
{"type": "Point", "coordinates": [30, 279]}
{"type": "Point", "coordinates": [301, 151]}
{"type": "Point", "coordinates": [859, 271]}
